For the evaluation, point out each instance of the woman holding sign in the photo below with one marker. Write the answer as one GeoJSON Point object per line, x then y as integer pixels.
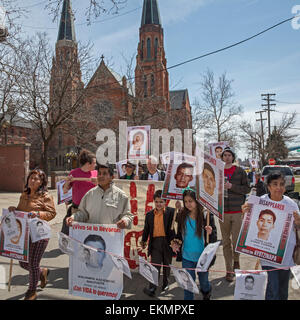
{"type": "Point", "coordinates": [192, 230]}
{"type": "Point", "coordinates": [81, 180]}
{"type": "Point", "coordinates": [39, 203]}
{"type": "Point", "coordinates": [278, 275]}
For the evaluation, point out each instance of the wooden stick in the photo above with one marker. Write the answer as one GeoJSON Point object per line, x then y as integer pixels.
{"type": "Point", "coordinates": [82, 179]}
{"type": "Point", "coordinates": [257, 264]}
{"type": "Point", "coordinates": [207, 224]}
{"type": "Point", "coordinates": [10, 274]}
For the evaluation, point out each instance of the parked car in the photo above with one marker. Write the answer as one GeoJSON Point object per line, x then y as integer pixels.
{"type": "Point", "coordinates": [287, 172]}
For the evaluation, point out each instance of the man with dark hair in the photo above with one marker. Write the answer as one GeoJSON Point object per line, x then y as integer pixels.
{"type": "Point", "coordinates": [105, 203]}
{"type": "Point", "coordinates": [158, 228]}
{"type": "Point", "coordinates": [209, 179]}
{"type": "Point", "coordinates": [184, 175]}
{"type": "Point", "coordinates": [249, 282]}
{"type": "Point", "coordinates": [237, 186]}
{"type": "Point", "coordinates": [218, 152]}
{"type": "Point", "coordinates": [265, 223]}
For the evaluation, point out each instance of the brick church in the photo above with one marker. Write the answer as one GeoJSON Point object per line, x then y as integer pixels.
{"type": "Point", "coordinates": [108, 98]}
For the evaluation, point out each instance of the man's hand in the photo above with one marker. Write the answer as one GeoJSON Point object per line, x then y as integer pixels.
{"type": "Point", "coordinates": [143, 244]}
{"type": "Point", "coordinates": [296, 218]}
{"type": "Point", "coordinates": [228, 185]}
{"type": "Point", "coordinates": [10, 209]}
{"type": "Point", "coordinates": [69, 221]}
{"type": "Point", "coordinates": [245, 208]}
{"type": "Point", "coordinates": [122, 224]}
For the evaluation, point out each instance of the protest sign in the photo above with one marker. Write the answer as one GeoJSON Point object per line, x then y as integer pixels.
{"type": "Point", "coordinates": [253, 163]}
{"type": "Point", "coordinates": [65, 243]}
{"type": "Point", "coordinates": [148, 271]}
{"type": "Point", "coordinates": [296, 273]}
{"type": "Point", "coordinates": [121, 167]}
{"type": "Point", "coordinates": [9, 226]}
{"type": "Point", "coordinates": [138, 142]}
{"type": "Point", "coordinates": [211, 184]}
{"type": "Point", "coordinates": [185, 280]}
{"type": "Point", "coordinates": [265, 229]}
{"type": "Point", "coordinates": [250, 285]}
{"type": "Point", "coordinates": [16, 247]}
{"type": "Point", "coordinates": [180, 175]}
{"type": "Point", "coordinates": [206, 256]}
{"type": "Point", "coordinates": [122, 264]}
{"type": "Point", "coordinates": [92, 274]}
{"type": "Point", "coordinates": [216, 148]}
{"type": "Point", "coordinates": [39, 229]}
{"type": "Point", "coordinates": [61, 196]}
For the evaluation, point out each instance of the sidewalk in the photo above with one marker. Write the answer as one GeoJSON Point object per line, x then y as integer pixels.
{"type": "Point", "coordinates": [57, 262]}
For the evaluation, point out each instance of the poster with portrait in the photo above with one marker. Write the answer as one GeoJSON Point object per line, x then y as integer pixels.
{"type": "Point", "coordinates": [211, 184]}
{"type": "Point", "coordinates": [92, 273]}
{"type": "Point", "coordinates": [265, 229]}
{"type": "Point", "coordinates": [250, 285]}
{"type": "Point", "coordinates": [122, 264]}
{"type": "Point", "coordinates": [15, 246]}
{"type": "Point", "coordinates": [65, 243]}
{"type": "Point", "coordinates": [121, 167]}
{"type": "Point", "coordinates": [39, 229]}
{"type": "Point", "coordinates": [253, 163]}
{"type": "Point", "coordinates": [184, 280]}
{"type": "Point", "coordinates": [148, 271]}
{"type": "Point", "coordinates": [165, 159]}
{"type": "Point", "coordinates": [207, 256]}
{"type": "Point", "coordinates": [9, 226]}
{"type": "Point", "coordinates": [138, 142]}
{"type": "Point", "coordinates": [216, 148]}
{"type": "Point", "coordinates": [61, 196]}
{"type": "Point", "coordinates": [296, 273]}
{"type": "Point", "coordinates": [181, 173]}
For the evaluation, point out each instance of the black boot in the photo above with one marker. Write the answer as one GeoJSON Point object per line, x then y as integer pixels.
{"type": "Point", "coordinates": [206, 295]}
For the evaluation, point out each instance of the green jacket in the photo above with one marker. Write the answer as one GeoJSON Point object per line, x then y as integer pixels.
{"type": "Point", "coordinates": [237, 194]}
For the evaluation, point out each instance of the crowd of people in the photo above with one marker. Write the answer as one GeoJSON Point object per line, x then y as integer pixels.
{"type": "Point", "coordinates": [97, 200]}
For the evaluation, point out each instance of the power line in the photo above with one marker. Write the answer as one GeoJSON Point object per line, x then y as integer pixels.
{"type": "Point", "coordinates": [210, 53]}
{"type": "Point", "coordinates": [268, 99]}
{"type": "Point", "coordinates": [280, 102]}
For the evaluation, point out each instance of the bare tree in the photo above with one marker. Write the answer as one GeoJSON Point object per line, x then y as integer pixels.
{"type": "Point", "coordinates": [94, 8]}
{"type": "Point", "coordinates": [47, 109]}
{"type": "Point", "coordinates": [217, 113]}
{"type": "Point", "coordinates": [275, 147]}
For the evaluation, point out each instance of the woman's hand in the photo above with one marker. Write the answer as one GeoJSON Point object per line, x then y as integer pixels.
{"type": "Point", "coordinates": [10, 209]}
{"type": "Point", "coordinates": [296, 218]}
{"type": "Point", "coordinates": [245, 208]}
{"type": "Point", "coordinates": [178, 205]}
{"type": "Point", "coordinates": [69, 221]}
{"type": "Point", "coordinates": [208, 229]}
{"type": "Point", "coordinates": [175, 245]}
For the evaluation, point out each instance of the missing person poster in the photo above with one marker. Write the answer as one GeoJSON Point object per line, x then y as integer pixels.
{"type": "Point", "coordinates": [92, 273]}
{"type": "Point", "coordinates": [65, 244]}
{"type": "Point", "coordinates": [207, 256]}
{"type": "Point", "coordinates": [216, 148]}
{"type": "Point", "coordinates": [250, 285]}
{"type": "Point", "coordinates": [122, 264]}
{"type": "Point", "coordinates": [253, 163]}
{"type": "Point", "coordinates": [39, 229]}
{"type": "Point", "coordinates": [180, 175]}
{"type": "Point", "coordinates": [138, 142]}
{"type": "Point", "coordinates": [148, 271]}
{"type": "Point", "coordinates": [211, 184]}
{"type": "Point", "coordinates": [61, 196]}
{"type": "Point", "coordinates": [15, 246]}
{"type": "Point", "coordinates": [265, 229]}
{"type": "Point", "coordinates": [185, 280]}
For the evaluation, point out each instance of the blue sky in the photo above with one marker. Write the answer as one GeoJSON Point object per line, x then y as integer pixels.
{"type": "Point", "coordinates": [266, 64]}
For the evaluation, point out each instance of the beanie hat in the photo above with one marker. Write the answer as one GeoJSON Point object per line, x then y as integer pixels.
{"type": "Point", "coordinates": [228, 149]}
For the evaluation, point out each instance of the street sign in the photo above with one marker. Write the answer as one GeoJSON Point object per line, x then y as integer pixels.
{"type": "Point", "coordinates": [272, 162]}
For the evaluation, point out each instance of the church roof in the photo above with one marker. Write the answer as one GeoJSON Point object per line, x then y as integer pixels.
{"type": "Point", "coordinates": [150, 13]}
{"type": "Point", "coordinates": [66, 26]}
{"type": "Point", "coordinates": [178, 99]}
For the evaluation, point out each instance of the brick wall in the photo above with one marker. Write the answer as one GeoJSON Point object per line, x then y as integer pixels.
{"type": "Point", "coordinates": [14, 166]}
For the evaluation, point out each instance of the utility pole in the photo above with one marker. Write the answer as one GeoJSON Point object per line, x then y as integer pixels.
{"type": "Point", "coordinates": [262, 127]}
{"type": "Point", "coordinates": [268, 105]}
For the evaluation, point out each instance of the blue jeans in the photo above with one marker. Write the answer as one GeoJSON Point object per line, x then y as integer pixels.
{"type": "Point", "coordinates": [203, 279]}
{"type": "Point", "coordinates": [278, 284]}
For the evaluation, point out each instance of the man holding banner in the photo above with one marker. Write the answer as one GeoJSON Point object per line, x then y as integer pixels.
{"type": "Point", "coordinates": [104, 204]}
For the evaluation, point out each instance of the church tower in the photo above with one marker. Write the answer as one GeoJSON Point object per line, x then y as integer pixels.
{"type": "Point", "coordinates": [151, 75]}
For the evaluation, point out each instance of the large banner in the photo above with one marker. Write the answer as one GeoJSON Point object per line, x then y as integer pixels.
{"type": "Point", "coordinates": [265, 230]}
{"type": "Point", "coordinates": [14, 242]}
{"type": "Point", "coordinates": [92, 272]}
{"type": "Point", "coordinates": [140, 195]}
{"type": "Point", "coordinates": [211, 184]}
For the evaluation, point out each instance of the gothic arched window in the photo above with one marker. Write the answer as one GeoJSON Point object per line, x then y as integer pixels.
{"type": "Point", "coordinates": [145, 87]}
{"type": "Point", "coordinates": [148, 48]}
{"type": "Point", "coordinates": [142, 50]}
{"type": "Point", "coordinates": [152, 84]}
{"type": "Point", "coordinates": [155, 48]}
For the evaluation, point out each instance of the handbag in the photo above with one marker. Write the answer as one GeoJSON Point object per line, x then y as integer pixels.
{"type": "Point", "coordinates": [296, 253]}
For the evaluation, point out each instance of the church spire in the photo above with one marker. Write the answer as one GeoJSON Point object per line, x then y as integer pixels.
{"type": "Point", "coordinates": [66, 26]}
{"type": "Point", "coordinates": [150, 13]}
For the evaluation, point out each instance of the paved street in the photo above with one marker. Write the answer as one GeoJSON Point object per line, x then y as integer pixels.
{"type": "Point", "coordinates": [57, 288]}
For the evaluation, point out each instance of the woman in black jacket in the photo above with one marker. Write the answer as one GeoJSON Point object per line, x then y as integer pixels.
{"type": "Point", "coordinates": [191, 232]}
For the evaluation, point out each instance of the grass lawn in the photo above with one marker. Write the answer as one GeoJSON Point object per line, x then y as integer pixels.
{"type": "Point", "coordinates": [297, 187]}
